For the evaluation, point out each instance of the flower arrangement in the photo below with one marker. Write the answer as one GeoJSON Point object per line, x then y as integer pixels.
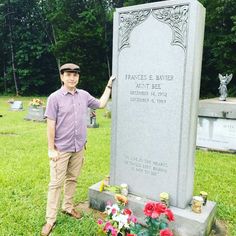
{"type": "Point", "coordinates": [157, 219]}
{"type": "Point", "coordinates": [120, 221]}
{"type": "Point", "coordinates": [36, 102]}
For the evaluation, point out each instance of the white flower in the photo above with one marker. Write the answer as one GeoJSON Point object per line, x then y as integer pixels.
{"type": "Point", "coordinates": [122, 220]}
{"type": "Point", "coordinates": [114, 209]}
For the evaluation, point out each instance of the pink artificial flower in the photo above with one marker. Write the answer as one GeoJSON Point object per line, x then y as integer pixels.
{"type": "Point", "coordinates": [113, 211]}
{"type": "Point", "coordinates": [100, 222]}
{"type": "Point", "coordinates": [133, 219]}
{"type": "Point", "coordinates": [108, 226]}
{"type": "Point", "coordinates": [114, 232]}
{"type": "Point", "coordinates": [166, 232]}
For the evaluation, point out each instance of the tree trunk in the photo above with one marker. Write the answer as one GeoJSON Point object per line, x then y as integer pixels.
{"type": "Point", "coordinates": [12, 49]}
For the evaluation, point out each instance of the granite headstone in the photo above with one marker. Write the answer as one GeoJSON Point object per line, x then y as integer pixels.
{"type": "Point", "coordinates": [36, 114]}
{"type": "Point", "coordinates": [157, 57]}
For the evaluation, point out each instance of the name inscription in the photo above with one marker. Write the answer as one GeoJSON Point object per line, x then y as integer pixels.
{"type": "Point", "coordinates": [149, 88]}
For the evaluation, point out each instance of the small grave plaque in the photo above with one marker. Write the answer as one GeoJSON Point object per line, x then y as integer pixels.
{"type": "Point", "coordinates": [17, 106]}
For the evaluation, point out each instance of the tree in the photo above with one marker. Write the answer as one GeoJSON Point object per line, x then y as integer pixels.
{"type": "Point", "coordinates": [83, 31]}
{"type": "Point", "coordinates": [219, 46]}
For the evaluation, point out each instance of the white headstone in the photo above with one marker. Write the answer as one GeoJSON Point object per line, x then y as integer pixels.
{"type": "Point", "coordinates": [217, 125]}
{"type": "Point", "coordinates": [157, 56]}
{"type": "Point", "coordinates": [17, 106]}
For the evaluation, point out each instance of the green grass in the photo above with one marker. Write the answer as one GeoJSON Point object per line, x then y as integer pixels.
{"type": "Point", "coordinates": [24, 176]}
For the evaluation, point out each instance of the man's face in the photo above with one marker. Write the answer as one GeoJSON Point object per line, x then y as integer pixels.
{"type": "Point", "coordinates": [70, 79]}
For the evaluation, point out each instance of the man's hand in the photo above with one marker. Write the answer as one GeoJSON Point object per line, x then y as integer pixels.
{"type": "Point", "coordinates": [53, 155]}
{"type": "Point", "coordinates": [112, 78]}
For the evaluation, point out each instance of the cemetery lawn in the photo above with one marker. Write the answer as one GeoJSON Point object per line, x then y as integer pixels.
{"type": "Point", "coordinates": [24, 176]}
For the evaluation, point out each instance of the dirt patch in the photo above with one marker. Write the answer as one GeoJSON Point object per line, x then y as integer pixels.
{"type": "Point", "coordinates": [8, 134]}
{"type": "Point", "coordinates": [219, 229]}
{"type": "Point", "coordinates": [84, 207]}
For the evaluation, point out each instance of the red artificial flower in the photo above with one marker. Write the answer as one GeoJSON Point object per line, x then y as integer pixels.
{"type": "Point", "coordinates": [131, 234]}
{"type": "Point", "coordinates": [166, 232]}
{"type": "Point", "coordinates": [159, 208]}
{"type": "Point", "coordinates": [169, 214]}
{"type": "Point", "coordinates": [149, 208]}
{"type": "Point", "coordinates": [127, 212]}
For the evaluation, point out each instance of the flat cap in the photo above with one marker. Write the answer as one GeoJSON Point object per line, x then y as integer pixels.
{"type": "Point", "coordinates": [70, 67]}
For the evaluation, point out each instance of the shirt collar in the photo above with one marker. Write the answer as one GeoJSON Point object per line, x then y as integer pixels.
{"type": "Point", "coordinates": [65, 91]}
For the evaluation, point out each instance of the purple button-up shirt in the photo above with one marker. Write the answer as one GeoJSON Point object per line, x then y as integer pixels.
{"type": "Point", "coordinates": [70, 113]}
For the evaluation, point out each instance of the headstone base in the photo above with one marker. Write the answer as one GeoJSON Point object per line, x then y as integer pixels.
{"type": "Point", "coordinates": [94, 125]}
{"type": "Point", "coordinates": [187, 223]}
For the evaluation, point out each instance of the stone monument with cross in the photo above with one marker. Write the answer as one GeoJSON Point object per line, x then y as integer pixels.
{"type": "Point", "coordinates": [157, 57]}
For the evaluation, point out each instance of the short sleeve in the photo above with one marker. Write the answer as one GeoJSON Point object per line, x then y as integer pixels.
{"type": "Point", "coordinates": [93, 102]}
{"type": "Point", "coordinates": [51, 108]}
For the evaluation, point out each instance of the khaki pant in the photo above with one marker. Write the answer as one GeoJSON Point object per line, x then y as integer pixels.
{"type": "Point", "coordinates": [63, 171]}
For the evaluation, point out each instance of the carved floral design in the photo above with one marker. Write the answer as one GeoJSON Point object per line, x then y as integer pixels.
{"type": "Point", "coordinates": [128, 21]}
{"type": "Point", "coordinates": [176, 17]}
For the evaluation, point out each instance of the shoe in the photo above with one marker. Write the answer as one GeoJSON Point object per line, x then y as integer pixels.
{"type": "Point", "coordinates": [75, 214]}
{"type": "Point", "coordinates": [47, 229]}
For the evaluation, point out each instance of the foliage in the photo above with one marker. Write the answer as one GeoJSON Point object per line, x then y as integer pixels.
{"type": "Point", "coordinates": [47, 33]}
{"type": "Point", "coordinates": [219, 46]}
{"type": "Point", "coordinates": [34, 63]}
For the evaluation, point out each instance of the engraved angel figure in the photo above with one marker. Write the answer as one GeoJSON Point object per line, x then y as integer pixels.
{"type": "Point", "coordinates": [224, 80]}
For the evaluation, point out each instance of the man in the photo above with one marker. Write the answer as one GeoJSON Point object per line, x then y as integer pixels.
{"type": "Point", "coordinates": [66, 114]}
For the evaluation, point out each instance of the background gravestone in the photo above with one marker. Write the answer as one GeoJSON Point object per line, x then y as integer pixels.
{"type": "Point", "coordinates": [157, 56]}
{"type": "Point", "coordinates": [36, 114]}
{"type": "Point", "coordinates": [91, 118]}
{"type": "Point", "coordinates": [17, 106]}
{"type": "Point", "coordinates": [108, 110]}
{"type": "Point", "coordinates": [217, 125]}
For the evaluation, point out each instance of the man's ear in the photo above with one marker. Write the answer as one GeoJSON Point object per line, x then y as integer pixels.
{"type": "Point", "coordinates": [61, 77]}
